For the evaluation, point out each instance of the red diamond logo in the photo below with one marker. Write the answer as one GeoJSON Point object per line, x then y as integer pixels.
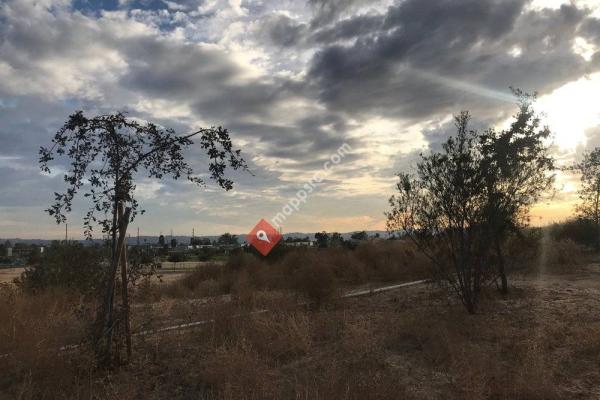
{"type": "Point", "coordinates": [263, 237]}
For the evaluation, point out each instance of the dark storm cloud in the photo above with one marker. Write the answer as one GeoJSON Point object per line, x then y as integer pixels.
{"type": "Point", "coordinates": [415, 62]}
{"type": "Point", "coordinates": [282, 30]}
{"type": "Point", "coordinates": [211, 84]}
{"type": "Point", "coordinates": [203, 77]}
{"type": "Point", "coordinates": [349, 28]}
{"type": "Point", "coordinates": [432, 57]}
{"type": "Point", "coordinates": [311, 139]}
{"type": "Point", "coordinates": [326, 11]}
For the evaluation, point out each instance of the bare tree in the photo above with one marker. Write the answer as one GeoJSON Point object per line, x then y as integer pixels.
{"type": "Point", "coordinates": [106, 154]}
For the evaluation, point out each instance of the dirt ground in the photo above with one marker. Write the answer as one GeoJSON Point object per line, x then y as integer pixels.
{"type": "Point", "coordinates": [542, 341]}
{"type": "Point", "coordinates": [184, 265]}
{"type": "Point", "coordinates": [8, 274]}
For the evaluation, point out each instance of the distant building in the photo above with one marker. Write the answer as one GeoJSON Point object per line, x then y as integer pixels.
{"type": "Point", "coordinates": [303, 243]}
{"type": "Point", "coordinates": [200, 246]}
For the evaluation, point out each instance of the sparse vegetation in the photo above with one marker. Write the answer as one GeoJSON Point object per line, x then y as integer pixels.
{"type": "Point", "coordinates": [415, 344]}
{"type": "Point", "coordinates": [315, 274]}
{"type": "Point", "coordinates": [588, 208]}
{"type": "Point", "coordinates": [467, 198]}
{"type": "Point", "coordinates": [106, 154]}
{"type": "Point", "coordinates": [71, 266]}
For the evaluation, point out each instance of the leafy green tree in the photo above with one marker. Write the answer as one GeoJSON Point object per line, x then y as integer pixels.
{"type": "Point", "coordinates": [177, 257]}
{"type": "Point", "coordinates": [106, 154]}
{"type": "Point", "coordinates": [517, 169]}
{"type": "Point", "coordinates": [71, 266]}
{"type": "Point", "coordinates": [466, 198]}
{"type": "Point", "coordinates": [441, 211]}
{"type": "Point", "coordinates": [322, 239]}
{"type": "Point", "coordinates": [228, 239]}
{"type": "Point", "coordinates": [589, 191]}
{"type": "Point", "coordinates": [336, 239]}
{"type": "Point", "coordinates": [362, 235]}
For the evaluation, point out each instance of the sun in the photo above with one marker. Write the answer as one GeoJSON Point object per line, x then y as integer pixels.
{"type": "Point", "coordinates": [572, 109]}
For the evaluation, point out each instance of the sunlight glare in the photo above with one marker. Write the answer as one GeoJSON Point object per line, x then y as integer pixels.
{"type": "Point", "coordinates": [571, 109]}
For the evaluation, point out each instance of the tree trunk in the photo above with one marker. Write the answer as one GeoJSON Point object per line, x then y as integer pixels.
{"type": "Point", "coordinates": [106, 316]}
{"type": "Point", "coordinates": [501, 269]}
{"type": "Point", "coordinates": [124, 289]}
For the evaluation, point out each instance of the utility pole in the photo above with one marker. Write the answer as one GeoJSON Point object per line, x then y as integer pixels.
{"type": "Point", "coordinates": [138, 236]}
{"type": "Point", "coordinates": [66, 233]}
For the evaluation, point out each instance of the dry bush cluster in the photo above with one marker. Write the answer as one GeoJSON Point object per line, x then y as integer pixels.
{"type": "Point", "coordinates": [313, 273]}
{"type": "Point", "coordinates": [559, 255]}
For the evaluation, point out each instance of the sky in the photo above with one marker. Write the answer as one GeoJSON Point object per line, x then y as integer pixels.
{"type": "Point", "coordinates": [293, 81]}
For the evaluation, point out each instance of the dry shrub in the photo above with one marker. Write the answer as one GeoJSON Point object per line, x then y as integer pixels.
{"type": "Point", "coordinates": [334, 376]}
{"type": "Point", "coordinates": [584, 340]}
{"type": "Point", "coordinates": [359, 338]}
{"type": "Point", "coordinates": [315, 281]}
{"type": "Point", "coordinates": [244, 290]}
{"type": "Point", "coordinates": [314, 273]}
{"type": "Point", "coordinates": [348, 269]}
{"type": "Point", "coordinates": [34, 327]}
{"type": "Point", "coordinates": [327, 326]}
{"type": "Point", "coordinates": [565, 254]}
{"type": "Point", "coordinates": [146, 291]}
{"type": "Point", "coordinates": [205, 280]}
{"type": "Point", "coordinates": [483, 359]}
{"type": "Point", "coordinates": [533, 377]}
{"type": "Point", "coordinates": [280, 337]}
{"type": "Point", "coordinates": [392, 260]}
{"type": "Point", "coordinates": [522, 252]}
{"type": "Point", "coordinates": [237, 372]}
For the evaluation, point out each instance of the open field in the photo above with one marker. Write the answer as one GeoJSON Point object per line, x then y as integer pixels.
{"type": "Point", "coordinates": [183, 265]}
{"type": "Point", "coordinates": [172, 272]}
{"type": "Point", "coordinates": [8, 274]}
{"type": "Point", "coordinates": [541, 341]}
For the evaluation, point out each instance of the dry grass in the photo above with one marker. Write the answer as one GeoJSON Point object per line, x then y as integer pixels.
{"type": "Point", "coordinates": [315, 274]}
{"type": "Point", "coordinates": [412, 344]}
{"type": "Point", "coordinates": [33, 328]}
{"type": "Point", "coordinates": [563, 255]}
{"type": "Point", "coordinates": [542, 341]}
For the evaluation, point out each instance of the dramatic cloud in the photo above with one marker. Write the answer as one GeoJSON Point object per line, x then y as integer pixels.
{"type": "Point", "coordinates": [293, 81]}
{"type": "Point", "coordinates": [431, 57]}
